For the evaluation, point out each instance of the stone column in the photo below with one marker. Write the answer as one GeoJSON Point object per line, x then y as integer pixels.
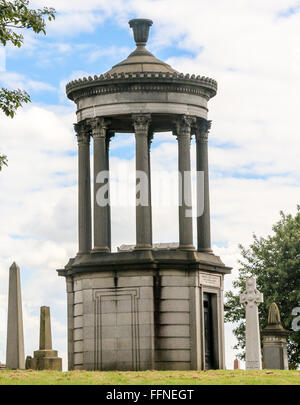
{"type": "Point", "coordinates": [45, 358]}
{"type": "Point", "coordinates": [84, 188]}
{"type": "Point", "coordinates": [70, 322]}
{"type": "Point", "coordinates": [45, 329]}
{"type": "Point", "coordinates": [183, 126]}
{"type": "Point", "coordinates": [203, 217]}
{"type": "Point", "coordinates": [15, 358]}
{"type": "Point", "coordinates": [102, 232]}
{"type": "Point", "coordinates": [143, 209]}
{"type": "Point", "coordinates": [150, 139]}
{"type": "Point", "coordinates": [251, 298]}
{"type": "Point", "coordinates": [110, 135]}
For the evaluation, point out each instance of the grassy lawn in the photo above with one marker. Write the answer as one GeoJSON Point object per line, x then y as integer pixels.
{"type": "Point", "coordinates": [219, 377]}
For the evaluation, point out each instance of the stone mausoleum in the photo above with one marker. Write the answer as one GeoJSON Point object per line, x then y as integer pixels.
{"type": "Point", "coordinates": [147, 306]}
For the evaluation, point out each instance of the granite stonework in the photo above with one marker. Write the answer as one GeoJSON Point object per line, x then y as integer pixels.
{"type": "Point", "coordinates": [251, 298]}
{"type": "Point", "coordinates": [45, 358]}
{"type": "Point", "coordinates": [144, 315]}
{"type": "Point", "coordinates": [15, 358]}
{"type": "Point", "coordinates": [274, 342]}
{"type": "Point", "coordinates": [145, 306]}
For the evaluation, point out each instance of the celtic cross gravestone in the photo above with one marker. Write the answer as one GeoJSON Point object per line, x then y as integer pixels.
{"type": "Point", "coordinates": [251, 298]}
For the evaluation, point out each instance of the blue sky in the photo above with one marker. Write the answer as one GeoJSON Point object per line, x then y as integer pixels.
{"type": "Point", "coordinates": [94, 52]}
{"type": "Point", "coordinates": [250, 47]}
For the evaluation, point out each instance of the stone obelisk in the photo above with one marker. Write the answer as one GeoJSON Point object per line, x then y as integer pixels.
{"type": "Point", "coordinates": [251, 298]}
{"type": "Point", "coordinates": [15, 358]}
{"type": "Point", "coordinates": [45, 358]}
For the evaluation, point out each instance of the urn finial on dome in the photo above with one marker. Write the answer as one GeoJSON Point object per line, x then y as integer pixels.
{"type": "Point", "coordinates": [141, 27]}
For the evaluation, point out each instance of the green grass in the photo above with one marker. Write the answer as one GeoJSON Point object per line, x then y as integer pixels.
{"type": "Point", "coordinates": [213, 377]}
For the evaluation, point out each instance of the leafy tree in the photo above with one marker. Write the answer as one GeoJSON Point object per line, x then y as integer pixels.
{"type": "Point", "coordinates": [3, 161]}
{"type": "Point", "coordinates": [15, 15]}
{"type": "Point", "coordinates": [275, 262]}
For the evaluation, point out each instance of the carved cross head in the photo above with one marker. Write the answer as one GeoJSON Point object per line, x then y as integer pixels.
{"type": "Point", "coordinates": [251, 296]}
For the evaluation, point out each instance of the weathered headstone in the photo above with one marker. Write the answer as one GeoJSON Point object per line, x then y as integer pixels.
{"type": "Point", "coordinates": [15, 358]}
{"type": "Point", "coordinates": [274, 342]}
{"type": "Point", "coordinates": [251, 298]}
{"type": "Point", "coordinates": [45, 358]}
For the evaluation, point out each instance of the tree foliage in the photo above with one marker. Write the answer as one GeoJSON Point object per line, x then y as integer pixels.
{"type": "Point", "coordinates": [275, 262]}
{"type": "Point", "coordinates": [16, 15]}
{"type": "Point", "coordinates": [3, 161]}
{"type": "Point", "coordinates": [11, 100]}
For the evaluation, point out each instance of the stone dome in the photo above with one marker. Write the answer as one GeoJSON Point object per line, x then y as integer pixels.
{"type": "Point", "coordinates": [141, 83]}
{"type": "Point", "coordinates": [141, 60]}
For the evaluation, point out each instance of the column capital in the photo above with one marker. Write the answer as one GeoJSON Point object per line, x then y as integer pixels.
{"type": "Point", "coordinates": [202, 130]}
{"type": "Point", "coordinates": [141, 123]}
{"type": "Point", "coordinates": [82, 130]}
{"type": "Point", "coordinates": [99, 126]}
{"type": "Point", "coordinates": [183, 125]}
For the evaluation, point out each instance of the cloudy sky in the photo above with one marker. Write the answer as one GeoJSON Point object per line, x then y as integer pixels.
{"type": "Point", "coordinates": [251, 47]}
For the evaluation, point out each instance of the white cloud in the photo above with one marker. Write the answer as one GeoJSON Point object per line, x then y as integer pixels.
{"type": "Point", "coordinates": [13, 80]}
{"type": "Point", "coordinates": [72, 24]}
{"type": "Point", "coordinates": [114, 51]}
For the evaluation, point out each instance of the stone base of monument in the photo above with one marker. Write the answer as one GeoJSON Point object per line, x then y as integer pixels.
{"type": "Point", "coordinates": [145, 310]}
{"type": "Point", "coordinates": [275, 355]}
{"type": "Point", "coordinates": [44, 363]}
{"type": "Point", "coordinates": [44, 360]}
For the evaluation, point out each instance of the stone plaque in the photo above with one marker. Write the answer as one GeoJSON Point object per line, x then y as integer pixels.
{"type": "Point", "coordinates": [210, 280]}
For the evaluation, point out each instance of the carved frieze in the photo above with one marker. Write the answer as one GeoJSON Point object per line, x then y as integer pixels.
{"type": "Point", "coordinates": [75, 92]}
